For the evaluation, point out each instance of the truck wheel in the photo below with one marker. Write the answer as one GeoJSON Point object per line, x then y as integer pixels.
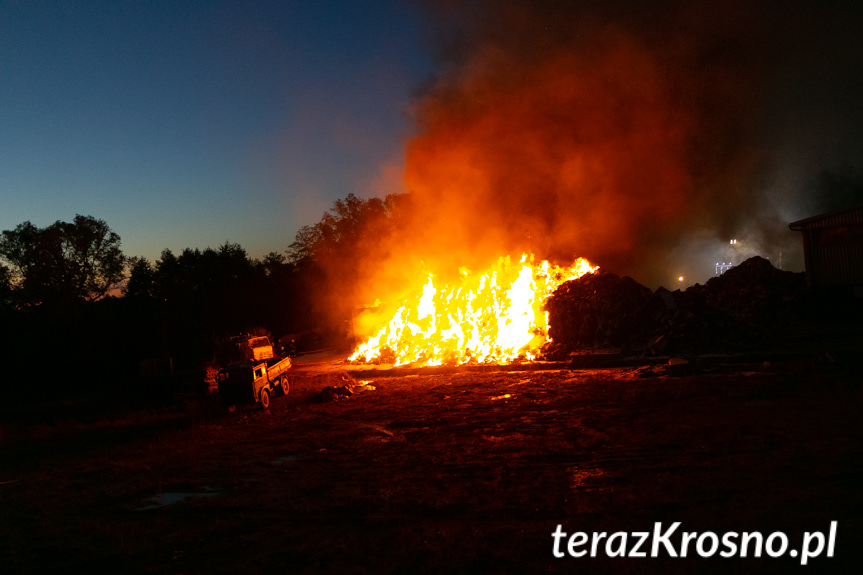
{"type": "Point", "coordinates": [265, 399]}
{"type": "Point", "coordinates": [286, 385]}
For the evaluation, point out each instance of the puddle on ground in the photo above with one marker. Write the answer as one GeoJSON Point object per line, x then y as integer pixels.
{"type": "Point", "coordinates": [171, 497]}
{"type": "Point", "coordinates": [289, 458]}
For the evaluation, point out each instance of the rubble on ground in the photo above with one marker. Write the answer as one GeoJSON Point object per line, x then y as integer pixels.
{"type": "Point", "coordinates": [333, 393]}
{"type": "Point", "coordinates": [330, 393]}
{"type": "Point", "coordinates": [743, 307]}
{"type": "Point", "coordinates": [598, 310]}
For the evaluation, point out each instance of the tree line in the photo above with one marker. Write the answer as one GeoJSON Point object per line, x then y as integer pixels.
{"type": "Point", "coordinates": [63, 262]}
{"type": "Point", "coordinates": [69, 297]}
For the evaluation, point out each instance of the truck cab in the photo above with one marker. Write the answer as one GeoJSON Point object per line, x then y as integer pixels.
{"type": "Point", "coordinates": [261, 348]}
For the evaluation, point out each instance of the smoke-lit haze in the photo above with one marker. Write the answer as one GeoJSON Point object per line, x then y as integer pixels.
{"type": "Point", "coordinates": [643, 136]}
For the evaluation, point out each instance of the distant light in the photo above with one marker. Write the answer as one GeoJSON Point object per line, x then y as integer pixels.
{"type": "Point", "coordinates": [680, 279]}
{"type": "Point", "coordinates": [733, 242]}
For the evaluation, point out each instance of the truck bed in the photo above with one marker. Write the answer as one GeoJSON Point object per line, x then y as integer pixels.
{"type": "Point", "coordinates": [276, 367]}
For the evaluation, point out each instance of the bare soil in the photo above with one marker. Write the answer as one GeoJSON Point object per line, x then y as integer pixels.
{"type": "Point", "coordinates": [445, 472]}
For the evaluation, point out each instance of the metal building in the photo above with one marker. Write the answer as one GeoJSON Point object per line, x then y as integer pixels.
{"type": "Point", "coordinates": [833, 248]}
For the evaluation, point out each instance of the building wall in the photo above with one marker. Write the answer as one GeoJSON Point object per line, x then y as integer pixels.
{"type": "Point", "coordinates": [833, 248]}
{"type": "Point", "coordinates": [837, 255]}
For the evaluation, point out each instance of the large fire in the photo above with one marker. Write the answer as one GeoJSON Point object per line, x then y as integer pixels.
{"type": "Point", "coordinates": [494, 317]}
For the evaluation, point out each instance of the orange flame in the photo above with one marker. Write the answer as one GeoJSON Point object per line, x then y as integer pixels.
{"type": "Point", "coordinates": [494, 317]}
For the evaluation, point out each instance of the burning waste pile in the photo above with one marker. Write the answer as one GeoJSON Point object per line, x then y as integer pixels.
{"type": "Point", "coordinates": [492, 317]}
{"type": "Point", "coordinates": [524, 312]}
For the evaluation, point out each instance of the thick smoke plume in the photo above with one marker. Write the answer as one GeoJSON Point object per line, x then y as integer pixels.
{"type": "Point", "coordinates": [642, 136]}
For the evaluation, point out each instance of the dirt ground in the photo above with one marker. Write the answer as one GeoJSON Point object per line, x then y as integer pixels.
{"type": "Point", "coordinates": [447, 472]}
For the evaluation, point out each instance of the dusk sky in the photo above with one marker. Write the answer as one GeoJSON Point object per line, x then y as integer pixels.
{"type": "Point", "coordinates": [189, 124]}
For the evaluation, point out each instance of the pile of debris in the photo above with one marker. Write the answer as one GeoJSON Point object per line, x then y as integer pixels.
{"type": "Point", "coordinates": [598, 311]}
{"type": "Point", "coordinates": [332, 393]}
{"type": "Point", "coordinates": [735, 311]}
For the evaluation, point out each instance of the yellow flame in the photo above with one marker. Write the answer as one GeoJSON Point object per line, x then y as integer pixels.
{"type": "Point", "coordinates": [494, 317]}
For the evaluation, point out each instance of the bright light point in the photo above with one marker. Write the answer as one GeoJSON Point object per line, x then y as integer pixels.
{"type": "Point", "coordinates": [680, 278]}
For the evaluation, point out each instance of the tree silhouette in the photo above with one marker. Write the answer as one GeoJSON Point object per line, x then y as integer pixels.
{"type": "Point", "coordinates": [142, 278]}
{"type": "Point", "coordinates": [351, 227]}
{"type": "Point", "coordinates": [335, 255]}
{"type": "Point", "coordinates": [6, 298]}
{"type": "Point", "coordinates": [64, 262]}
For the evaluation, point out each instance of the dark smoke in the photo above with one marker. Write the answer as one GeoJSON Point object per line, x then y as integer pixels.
{"type": "Point", "coordinates": [641, 135]}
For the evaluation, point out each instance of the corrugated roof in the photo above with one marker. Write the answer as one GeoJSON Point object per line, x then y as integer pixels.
{"type": "Point", "coordinates": [852, 217]}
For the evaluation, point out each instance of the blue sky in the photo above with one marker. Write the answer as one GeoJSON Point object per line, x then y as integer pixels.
{"type": "Point", "coordinates": [188, 124]}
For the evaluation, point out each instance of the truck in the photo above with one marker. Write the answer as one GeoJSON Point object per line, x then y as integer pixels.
{"type": "Point", "coordinates": [254, 381]}
{"type": "Point", "coordinates": [254, 348]}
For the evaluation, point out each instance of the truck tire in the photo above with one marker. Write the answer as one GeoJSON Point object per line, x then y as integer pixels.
{"type": "Point", "coordinates": [265, 399]}
{"type": "Point", "coordinates": [286, 385]}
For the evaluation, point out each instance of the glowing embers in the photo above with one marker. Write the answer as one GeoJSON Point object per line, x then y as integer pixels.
{"type": "Point", "coordinates": [493, 317]}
